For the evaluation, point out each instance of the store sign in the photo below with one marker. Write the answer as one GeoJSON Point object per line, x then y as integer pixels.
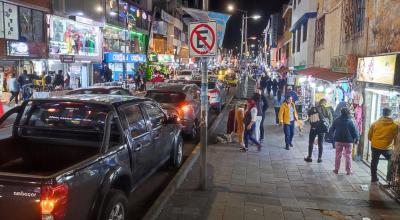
{"type": "Point", "coordinates": [165, 58]}
{"type": "Point", "coordinates": [379, 69]}
{"type": "Point", "coordinates": [67, 58]}
{"type": "Point", "coordinates": [68, 37]}
{"type": "Point", "coordinates": [167, 17]}
{"type": "Point", "coordinates": [120, 58]}
{"type": "Point", "coordinates": [11, 21]}
{"type": "Point", "coordinates": [344, 64]}
{"type": "Point", "coordinates": [20, 49]}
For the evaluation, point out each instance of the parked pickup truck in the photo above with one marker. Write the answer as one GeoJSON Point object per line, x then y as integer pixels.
{"type": "Point", "coordinates": [78, 157]}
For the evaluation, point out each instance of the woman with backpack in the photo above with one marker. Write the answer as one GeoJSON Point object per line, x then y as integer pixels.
{"type": "Point", "coordinates": [320, 119]}
{"type": "Point", "coordinates": [345, 134]}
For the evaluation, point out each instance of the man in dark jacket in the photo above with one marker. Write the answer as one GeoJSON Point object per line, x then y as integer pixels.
{"type": "Point", "coordinates": [345, 134]}
{"type": "Point", "coordinates": [274, 85]}
{"type": "Point", "coordinates": [318, 116]}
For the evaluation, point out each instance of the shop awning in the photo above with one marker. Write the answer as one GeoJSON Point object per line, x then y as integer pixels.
{"type": "Point", "coordinates": [324, 74]}
{"type": "Point", "coordinates": [283, 70]}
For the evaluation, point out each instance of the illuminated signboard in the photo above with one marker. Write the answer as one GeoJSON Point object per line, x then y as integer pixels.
{"type": "Point", "coordinates": [379, 69]}
{"type": "Point", "coordinates": [120, 57]}
{"type": "Point", "coordinates": [15, 48]}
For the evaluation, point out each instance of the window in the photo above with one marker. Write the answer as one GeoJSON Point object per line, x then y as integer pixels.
{"type": "Point", "coordinates": [320, 32]}
{"type": "Point", "coordinates": [298, 39]}
{"type": "Point", "coordinates": [353, 18]}
{"type": "Point", "coordinates": [119, 92]}
{"type": "Point", "coordinates": [294, 42]}
{"type": "Point", "coordinates": [156, 116]}
{"type": "Point", "coordinates": [136, 122]}
{"type": "Point", "coordinates": [31, 25]}
{"type": "Point", "coordinates": [305, 31]}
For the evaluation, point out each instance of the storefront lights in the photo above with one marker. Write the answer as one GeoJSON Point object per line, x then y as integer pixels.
{"type": "Point", "coordinates": [328, 90]}
{"type": "Point", "coordinates": [302, 79]}
{"type": "Point", "coordinates": [313, 85]}
{"type": "Point", "coordinates": [320, 88]}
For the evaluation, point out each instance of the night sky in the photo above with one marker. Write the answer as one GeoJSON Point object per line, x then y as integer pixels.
{"type": "Point", "coordinates": [255, 28]}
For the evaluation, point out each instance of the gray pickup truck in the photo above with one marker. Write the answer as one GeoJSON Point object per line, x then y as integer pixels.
{"type": "Point", "coordinates": [79, 157]}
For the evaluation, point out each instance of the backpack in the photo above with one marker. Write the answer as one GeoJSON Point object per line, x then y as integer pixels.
{"type": "Point", "coordinates": [47, 79]}
{"type": "Point", "coordinates": [318, 120]}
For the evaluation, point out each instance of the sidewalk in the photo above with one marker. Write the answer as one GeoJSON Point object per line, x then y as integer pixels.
{"type": "Point", "coordinates": [278, 184]}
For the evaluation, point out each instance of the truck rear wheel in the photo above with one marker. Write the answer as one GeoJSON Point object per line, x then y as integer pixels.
{"type": "Point", "coordinates": [115, 206]}
{"type": "Point", "coordinates": [177, 153]}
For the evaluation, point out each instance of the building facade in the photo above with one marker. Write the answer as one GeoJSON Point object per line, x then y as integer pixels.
{"type": "Point", "coordinates": [285, 40]}
{"type": "Point", "coordinates": [303, 33]}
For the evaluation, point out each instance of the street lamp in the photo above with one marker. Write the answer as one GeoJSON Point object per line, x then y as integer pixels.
{"type": "Point", "coordinates": [256, 17]}
{"type": "Point", "coordinates": [231, 7]}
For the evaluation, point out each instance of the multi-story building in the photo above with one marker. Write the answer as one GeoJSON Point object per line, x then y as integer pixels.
{"type": "Point", "coordinates": [273, 31]}
{"type": "Point", "coordinates": [22, 37]}
{"type": "Point", "coordinates": [284, 40]}
{"type": "Point", "coordinates": [304, 14]}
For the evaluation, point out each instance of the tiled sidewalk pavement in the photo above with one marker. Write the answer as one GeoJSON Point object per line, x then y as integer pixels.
{"type": "Point", "coordinates": [278, 184]}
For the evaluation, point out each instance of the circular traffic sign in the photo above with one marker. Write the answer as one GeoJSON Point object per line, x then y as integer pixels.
{"type": "Point", "coordinates": [207, 46]}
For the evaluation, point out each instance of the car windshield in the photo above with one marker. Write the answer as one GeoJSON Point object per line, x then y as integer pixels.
{"type": "Point", "coordinates": [211, 85]}
{"type": "Point", "coordinates": [64, 119]}
{"type": "Point", "coordinates": [166, 97]}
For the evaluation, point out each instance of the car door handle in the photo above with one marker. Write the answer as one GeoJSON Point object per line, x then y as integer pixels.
{"type": "Point", "coordinates": [138, 147]}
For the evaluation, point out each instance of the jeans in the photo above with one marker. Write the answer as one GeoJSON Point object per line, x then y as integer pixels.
{"type": "Point", "coordinates": [248, 136]}
{"type": "Point", "coordinates": [262, 126]}
{"type": "Point", "coordinates": [376, 153]}
{"type": "Point", "coordinates": [274, 92]}
{"type": "Point", "coordinates": [277, 114]}
{"type": "Point", "coordinates": [289, 133]}
{"type": "Point", "coordinates": [345, 149]}
{"type": "Point", "coordinates": [257, 129]}
{"type": "Point", "coordinates": [14, 95]}
{"type": "Point", "coordinates": [313, 134]}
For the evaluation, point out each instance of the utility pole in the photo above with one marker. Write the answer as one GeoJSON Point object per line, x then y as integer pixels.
{"type": "Point", "coordinates": [204, 117]}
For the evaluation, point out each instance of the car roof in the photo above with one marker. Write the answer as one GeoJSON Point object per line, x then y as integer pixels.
{"type": "Point", "coordinates": [173, 87]}
{"type": "Point", "coordinates": [95, 98]}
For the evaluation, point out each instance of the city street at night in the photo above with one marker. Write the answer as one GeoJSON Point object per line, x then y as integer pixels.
{"type": "Point", "coordinates": [199, 109]}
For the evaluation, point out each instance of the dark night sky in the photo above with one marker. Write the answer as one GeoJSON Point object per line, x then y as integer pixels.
{"type": "Point", "coordinates": [255, 28]}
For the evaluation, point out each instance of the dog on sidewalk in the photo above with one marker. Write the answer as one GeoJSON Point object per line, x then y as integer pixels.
{"type": "Point", "coordinates": [300, 125]}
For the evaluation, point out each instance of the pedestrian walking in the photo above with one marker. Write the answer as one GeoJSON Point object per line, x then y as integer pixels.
{"type": "Point", "coordinates": [382, 134]}
{"type": "Point", "coordinates": [250, 124]}
{"type": "Point", "coordinates": [269, 86]}
{"type": "Point", "coordinates": [59, 80]}
{"type": "Point", "coordinates": [264, 109]}
{"type": "Point", "coordinates": [344, 135]}
{"type": "Point", "coordinates": [274, 86]}
{"type": "Point", "coordinates": [320, 119]}
{"type": "Point", "coordinates": [287, 117]}
{"type": "Point", "coordinates": [23, 80]}
{"type": "Point", "coordinates": [239, 118]}
{"type": "Point", "coordinates": [278, 101]}
{"type": "Point", "coordinates": [13, 88]}
{"type": "Point", "coordinates": [259, 105]}
{"type": "Point", "coordinates": [282, 83]}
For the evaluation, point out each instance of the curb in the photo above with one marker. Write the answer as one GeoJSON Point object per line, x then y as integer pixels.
{"type": "Point", "coordinates": [180, 176]}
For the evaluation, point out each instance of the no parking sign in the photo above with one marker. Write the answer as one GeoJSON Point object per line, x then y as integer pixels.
{"type": "Point", "coordinates": [202, 39]}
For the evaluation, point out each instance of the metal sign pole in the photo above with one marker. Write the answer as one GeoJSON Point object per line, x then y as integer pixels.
{"type": "Point", "coordinates": [204, 123]}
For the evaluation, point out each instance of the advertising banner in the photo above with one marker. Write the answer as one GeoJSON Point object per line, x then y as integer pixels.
{"type": "Point", "coordinates": [68, 37]}
{"type": "Point", "coordinates": [167, 17]}
{"type": "Point", "coordinates": [11, 21]}
{"type": "Point", "coordinates": [379, 69]}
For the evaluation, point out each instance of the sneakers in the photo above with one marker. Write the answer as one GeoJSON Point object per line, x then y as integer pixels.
{"type": "Point", "coordinates": [319, 160]}
{"type": "Point", "coordinates": [291, 145]}
{"type": "Point", "coordinates": [242, 149]}
{"type": "Point", "coordinates": [308, 159]}
{"type": "Point", "coordinates": [261, 141]}
{"type": "Point", "coordinates": [287, 147]}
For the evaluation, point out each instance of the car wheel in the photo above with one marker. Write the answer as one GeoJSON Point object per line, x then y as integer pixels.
{"type": "Point", "coordinates": [177, 153]}
{"type": "Point", "coordinates": [195, 130]}
{"type": "Point", "coordinates": [116, 206]}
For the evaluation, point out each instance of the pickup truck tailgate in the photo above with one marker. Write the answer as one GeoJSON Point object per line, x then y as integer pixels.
{"type": "Point", "coordinates": [19, 200]}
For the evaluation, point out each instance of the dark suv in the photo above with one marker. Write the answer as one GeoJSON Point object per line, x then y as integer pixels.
{"type": "Point", "coordinates": [79, 157]}
{"type": "Point", "coordinates": [108, 90]}
{"type": "Point", "coordinates": [182, 100]}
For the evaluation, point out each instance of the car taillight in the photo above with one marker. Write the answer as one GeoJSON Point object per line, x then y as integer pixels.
{"type": "Point", "coordinates": [184, 109]}
{"type": "Point", "coordinates": [53, 201]}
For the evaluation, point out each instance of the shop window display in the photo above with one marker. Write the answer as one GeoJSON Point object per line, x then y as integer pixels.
{"type": "Point", "coordinates": [120, 40]}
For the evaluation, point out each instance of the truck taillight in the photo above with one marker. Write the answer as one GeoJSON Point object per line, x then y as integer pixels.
{"type": "Point", "coordinates": [53, 201]}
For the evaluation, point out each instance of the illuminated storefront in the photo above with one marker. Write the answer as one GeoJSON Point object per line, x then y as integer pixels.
{"type": "Point", "coordinates": [123, 41]}
{"type": "Point", "coordinates": [380, 74]}
{"type": "Point", "coordinates": [74, 46]}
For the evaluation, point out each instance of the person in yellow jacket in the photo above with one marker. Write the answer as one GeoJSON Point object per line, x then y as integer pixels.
{"type": "Point", "coordinates": [382, 134]}
{"type": "Point", "coordinates": [287, 117]}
